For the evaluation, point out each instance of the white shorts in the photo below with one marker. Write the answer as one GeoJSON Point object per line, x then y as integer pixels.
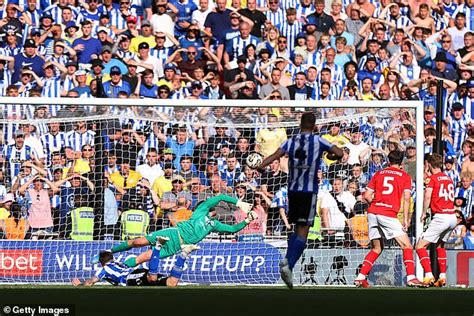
{"type": "Point", "coordinates": [440, 228]}
{"type": "Point", "coordinates": [390, 227]}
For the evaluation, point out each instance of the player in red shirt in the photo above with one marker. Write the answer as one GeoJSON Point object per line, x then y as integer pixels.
{"type": "Point", "coordinates": [384, 193]}
{"type": "Point", "coordinates": [439, 197]}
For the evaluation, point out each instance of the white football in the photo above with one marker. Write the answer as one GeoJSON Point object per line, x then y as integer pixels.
{"type": "Point", "coordinates": [254, 160]}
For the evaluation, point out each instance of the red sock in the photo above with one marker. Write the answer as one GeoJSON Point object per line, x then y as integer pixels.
{"type": "Point", "coordinates": [368, 262]}
{"type": "Point", "coordinates": [424, 259]}
{"type": "Point", "coordinates": [409, 261]}
{"type": "Point", "coordinates": [441, 259]}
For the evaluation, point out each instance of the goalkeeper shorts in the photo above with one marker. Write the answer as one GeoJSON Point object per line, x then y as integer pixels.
{"type": "Point", "coordinates": [171, 247]}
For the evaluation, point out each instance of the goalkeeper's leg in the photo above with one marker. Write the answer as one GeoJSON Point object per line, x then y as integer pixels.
{"type": "Point", "coordinates": [177, 270]}
{"type": "Point", "coordinates": [129, 244]}
{"type": "Point", "coordinates": [170, 248]}
{"type": "Point", "coordinates": [155, 259]}
{"type": "Point", "coordinates": [149, 239]}
{"type": "Point", "coordinates": [124, 246]}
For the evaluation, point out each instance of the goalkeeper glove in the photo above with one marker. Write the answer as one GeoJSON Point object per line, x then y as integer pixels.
{"type": "Point", "coordinates": [251, 216]}
{"type": "Point", "coordinates": [246, 207]}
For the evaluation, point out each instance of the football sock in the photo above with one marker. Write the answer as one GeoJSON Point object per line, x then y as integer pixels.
{"type": "Point", "coordinates": [424, 260]}
{"type": "Point", "coordinates": [367, 264]}
{"type": "Point", "coordinates": [123, 246]}
{"type": "Point", "coordinates": [409, 263]}
{"type": "Point", "coordinates": [177, 270]}
{"type": "Point", "coordinates": [296, 246]}
{"type": "Point", "coordinates": [441, 260]}
{"type": "Point", "coordinates": [130, 262]}
{"type": "Point", "coordinates": [155, 259]}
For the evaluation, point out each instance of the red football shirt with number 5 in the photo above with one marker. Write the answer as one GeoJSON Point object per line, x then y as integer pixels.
{"type": "Point", "coordinates": [442, 196]}
{"type": "Point", "coordinates": [388, 186]}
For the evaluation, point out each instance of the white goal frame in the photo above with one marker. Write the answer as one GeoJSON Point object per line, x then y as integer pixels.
{"type": "Point", "coordinates": [417, 105]}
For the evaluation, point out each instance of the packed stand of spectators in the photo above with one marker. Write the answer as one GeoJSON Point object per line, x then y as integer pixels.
{"type": "Point", "coordinates": [298, 50]}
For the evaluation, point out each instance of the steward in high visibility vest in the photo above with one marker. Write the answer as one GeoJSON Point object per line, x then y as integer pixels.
{"type": "Point", "coordinates": [134, 224]}
{"type": "Point", "coordinates": [314, 234]}
{"type": "Point", "coordinates": [82, 222]}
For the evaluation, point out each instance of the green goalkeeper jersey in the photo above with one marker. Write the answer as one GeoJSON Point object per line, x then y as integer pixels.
{"type": "Point", "coordinates": [200, 224]}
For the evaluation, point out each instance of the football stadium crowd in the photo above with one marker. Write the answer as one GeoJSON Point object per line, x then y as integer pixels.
{"type": "Point", "coordinates": [115, 178]}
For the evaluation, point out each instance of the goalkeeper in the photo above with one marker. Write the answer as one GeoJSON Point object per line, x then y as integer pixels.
{"type": "Point", "coordinates": [192, 231]}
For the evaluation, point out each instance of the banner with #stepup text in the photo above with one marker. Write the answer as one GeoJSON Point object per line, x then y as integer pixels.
{"type": "Point", "coordinates": [60, 261]}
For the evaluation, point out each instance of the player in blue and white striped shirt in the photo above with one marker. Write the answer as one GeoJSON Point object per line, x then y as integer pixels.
{"type": "Point", "coordinates": [304, 150]}
{"type": "Point", "coordinates": [116, 273]}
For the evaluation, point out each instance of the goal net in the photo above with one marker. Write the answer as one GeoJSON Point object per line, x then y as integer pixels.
{"type": "Point", "coordinates": [83, 175]}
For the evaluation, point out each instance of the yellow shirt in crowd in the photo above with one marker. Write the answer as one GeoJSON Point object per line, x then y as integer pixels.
{"type": "Point", "coordinates": [270, 140]}
{"type": "Point", "coordinates": [339, 141]}
{"type": "Point", "coordinates": [131, 180]}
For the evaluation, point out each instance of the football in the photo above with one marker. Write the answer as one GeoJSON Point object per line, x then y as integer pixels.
{"type": "Point", "coordinates": [254, 160]}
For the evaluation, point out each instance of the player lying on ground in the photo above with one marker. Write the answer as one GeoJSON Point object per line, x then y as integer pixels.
{"type": "Point", "coordinates": [192, 231]}
{"type": "Point", "coordinates": [117, 273]}
{"type": "Point", "coordinates": [439, 196]}
{"type": "Point", "coordinates": [384, 193]}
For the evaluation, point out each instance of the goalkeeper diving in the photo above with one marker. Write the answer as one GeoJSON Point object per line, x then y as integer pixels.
{"type": "Point", "coordinates": [188, 232]}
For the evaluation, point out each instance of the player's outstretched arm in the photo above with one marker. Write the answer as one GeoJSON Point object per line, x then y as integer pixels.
{"type": "Point", "coordinates": [224, 228]}
{"type": "Point", "coordinates": [88, 282]}
{"type": "Point", "coordinates": [277, 154]}
{"type": "Point", "coordinates": [213, 201]}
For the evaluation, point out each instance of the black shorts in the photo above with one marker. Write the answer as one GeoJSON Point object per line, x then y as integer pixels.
{"type": "Point", "coordinates": [302, 207]}
{"type": "Point", "coordinates": [139, 278]}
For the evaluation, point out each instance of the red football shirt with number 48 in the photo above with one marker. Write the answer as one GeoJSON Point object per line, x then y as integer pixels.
{"type": "Point", "coordinates": [442, 196]}
{"type": "Point", "coordinates": [388, 186]}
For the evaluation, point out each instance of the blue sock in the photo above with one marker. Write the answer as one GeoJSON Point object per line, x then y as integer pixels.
{"type": "Point", "coordinates": [177, 270]}
{"type": "Point", "coordinates": [296, 246]}
{"type": "Point", "coordinates": [291, 241]}
{"type": "Point", "coordinates": [154, 261]}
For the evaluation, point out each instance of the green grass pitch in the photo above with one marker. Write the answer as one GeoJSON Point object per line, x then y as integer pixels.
{"type": "Point", "coordinates": [245, 300]}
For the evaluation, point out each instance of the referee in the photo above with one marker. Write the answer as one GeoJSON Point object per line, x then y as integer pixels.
{"type": "Point", "coordinates": [304, 150]}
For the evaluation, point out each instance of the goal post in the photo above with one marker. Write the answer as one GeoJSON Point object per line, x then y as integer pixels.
{"type": "Point", "coordinates": [81, 180]}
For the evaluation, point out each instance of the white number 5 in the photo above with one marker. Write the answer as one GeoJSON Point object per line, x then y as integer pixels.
{"type": "Point", "coordinates": [388, 185]}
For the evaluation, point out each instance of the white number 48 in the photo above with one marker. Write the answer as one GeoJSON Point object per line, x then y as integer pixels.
{"type": "Point", "coordinates": [447, 193]}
